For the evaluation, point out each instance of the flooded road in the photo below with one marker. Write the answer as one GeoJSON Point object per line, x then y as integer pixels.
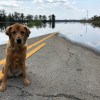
{"type": "Point", "coordinates": [81, 33]}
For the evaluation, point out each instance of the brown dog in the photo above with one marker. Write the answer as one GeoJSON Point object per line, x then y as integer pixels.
{"type": "Point", "coordinates": [16, 53]}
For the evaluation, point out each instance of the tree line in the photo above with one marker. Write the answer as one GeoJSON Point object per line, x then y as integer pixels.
{"type": "Point", "coordinates": [20, 17]}
{"type": "Point", "coordinates": [95, 18]}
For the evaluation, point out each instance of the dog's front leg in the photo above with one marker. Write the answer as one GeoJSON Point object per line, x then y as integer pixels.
{"type": "Point", "coordinates": [25, 80]}
{"type": "Point", "coordinates": [4, 78]}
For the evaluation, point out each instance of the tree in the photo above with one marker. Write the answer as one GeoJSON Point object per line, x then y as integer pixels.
{"type": "Point", "coordinates": [29, 17]}
{"type": "Point", "coordinates": [50, 18]}
{"type": "Point", "coordinates": [95, 18]}
{"type": "Point", "coordinates": [44, 18]}
{"type": "Point", "coordinates": [40, 17]}
{"type": "Point", "coordinates": [22, 17]}
{"type": "Point", "coordinates": [53, 18]}
{"type": "Point", "coordinates": [2, 15]}
{"type": "Point", "coordinates": [36, 17]}
{"type": "Point", "coordinates": [9, 18]}
{"type": "Point", "coordinates": [16, 16]}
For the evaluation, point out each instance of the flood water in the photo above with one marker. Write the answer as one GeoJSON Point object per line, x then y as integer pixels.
{"type": "Point", "coordinates": [77, 32]}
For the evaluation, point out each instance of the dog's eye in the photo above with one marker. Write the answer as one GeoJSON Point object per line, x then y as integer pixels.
{"type": "Point", "coordinates": [22, 32]}
{"type": "Point", "coordinates": [14, 32]}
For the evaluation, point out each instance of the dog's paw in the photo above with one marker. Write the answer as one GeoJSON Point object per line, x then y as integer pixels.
{"type": "Point", "coordinates": [2, 88]}
{"type": "Point", "coordinates": [26, 82]}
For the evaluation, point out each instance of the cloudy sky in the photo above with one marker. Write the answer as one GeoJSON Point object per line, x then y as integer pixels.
{"type": "Point", "coordinates": [63, 9]}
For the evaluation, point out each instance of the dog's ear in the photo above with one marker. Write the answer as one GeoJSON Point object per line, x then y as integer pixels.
{"type": "Point", "coordinates": [7, 31]}
{"type": "Point", "coordinates": [27, 30]}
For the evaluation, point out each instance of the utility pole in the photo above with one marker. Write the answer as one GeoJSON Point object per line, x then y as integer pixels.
{"type": "Point", "coordinates": [87, 14]}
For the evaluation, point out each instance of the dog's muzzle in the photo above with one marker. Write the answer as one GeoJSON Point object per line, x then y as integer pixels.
{"type": "Point", "coordinates": [19, 41]}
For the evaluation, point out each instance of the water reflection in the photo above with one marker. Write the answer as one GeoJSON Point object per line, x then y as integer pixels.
{"type": "Point", "coordinates": [44, 24]}
{"type": "Point", "coordinates": [2, 26]}
{"type": "Point", "coordinates": [30, 25]}
{"type": "Point", "coordinates": [96, 24]}
{"type": "Point", "coordinates": [78, 32]}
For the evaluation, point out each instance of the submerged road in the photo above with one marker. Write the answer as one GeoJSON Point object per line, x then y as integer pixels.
{"type": "Point", "coordinates": [58, 71]}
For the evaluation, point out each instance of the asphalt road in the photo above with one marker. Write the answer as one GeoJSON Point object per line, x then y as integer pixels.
{"type": "Point", "coordinates": [59, 71]}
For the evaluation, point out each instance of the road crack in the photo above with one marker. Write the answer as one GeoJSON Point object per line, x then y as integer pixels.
{"type": "Point", "coordinates": [67, 96]}
{"type": "Point", "coordinates": [23, 92]}
{"type": "Point", "coordinates": [92, 95]}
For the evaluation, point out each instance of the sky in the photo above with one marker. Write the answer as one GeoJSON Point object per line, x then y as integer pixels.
{"type": "Point", "coordinates": [62, 9]}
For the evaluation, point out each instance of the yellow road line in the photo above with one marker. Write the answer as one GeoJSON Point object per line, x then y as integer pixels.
{"type": "Point", "coordinates": [35, 50]}
{"type": "Point", "coordinates": [41, 40]}
{"type": "Point", "coordinates": [29, 54]}
{"type": "Point", "coordinates": [32, 45]}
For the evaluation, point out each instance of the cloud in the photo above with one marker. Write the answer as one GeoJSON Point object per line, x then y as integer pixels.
{"type": "Point", "coordinates": [61, 8]}
{"type": "Point", "coordinates": [41, 4]}
{"type": "Point", "coordinates": [66, 4]}
{"type": "Point", "coordinates": [46, 7]}
{"type": "Point", "coordinates": [10, 3]}
{"type": "Point", "coordinates": [14, 6]}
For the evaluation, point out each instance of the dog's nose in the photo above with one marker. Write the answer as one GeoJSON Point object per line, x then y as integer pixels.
{"type": "Point", "coordinates": [19, 41]}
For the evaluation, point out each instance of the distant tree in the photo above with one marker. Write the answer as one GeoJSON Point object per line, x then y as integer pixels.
{"type": "Point", "coordinates": [40, 17]}
{"type": "Point", "coordinates": [22, 17]}
{"type": "Point", "coordinates": [9, 18]}
{"type": "Point", "coordinates": [95, 18]}
{"type": "Point", "coordinates": [53, 18]}
{"type": "Point", "coordinates": [50, 18]}
{"type": "Point", "coordinates": [44, 18]}
{"type": "Point", "coordinates": [29, 17]}
{"type": "Point", "coordinates": [2, 15]}
{"type": "Point", "coordinates": [36, 17]}
{"type": "Point", "coordinates": [16, 16]}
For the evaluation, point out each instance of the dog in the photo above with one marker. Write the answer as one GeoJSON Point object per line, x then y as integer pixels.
{"type": "Point", "coordinates": [15, 53]}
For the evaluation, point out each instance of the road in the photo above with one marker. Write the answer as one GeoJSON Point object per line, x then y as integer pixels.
{"type": "Point", "coordinates": [60, 70]}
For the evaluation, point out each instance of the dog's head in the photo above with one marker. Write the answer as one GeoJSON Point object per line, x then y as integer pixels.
{"type": "Point", "coordinates": [18, 33]}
